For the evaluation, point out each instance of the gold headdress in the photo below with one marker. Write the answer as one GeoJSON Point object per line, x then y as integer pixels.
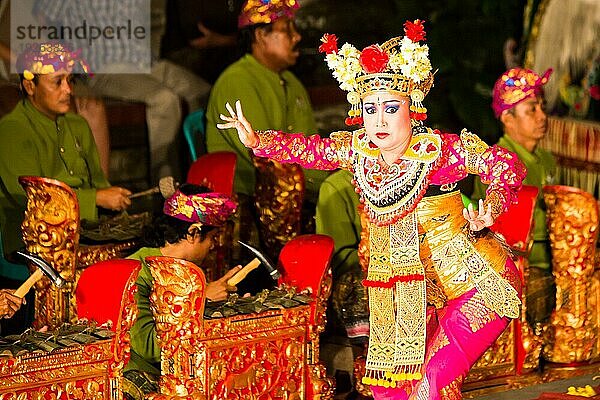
{"type": "Point", "coordinates": [399, 65]}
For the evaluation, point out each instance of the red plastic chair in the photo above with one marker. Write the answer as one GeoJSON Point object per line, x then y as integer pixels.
{"type": "Point", "coordinates": [214, 170]}
{"type": "Point", "coordinates": [304, 261]}
{"type": "Point", "coordinates": [516, 224]}
{"type": "Point", "coordinates": [105, 292]}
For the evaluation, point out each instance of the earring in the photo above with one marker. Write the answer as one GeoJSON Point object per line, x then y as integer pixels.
{"type": "Point", "coordinates": [354, 114]}
{"type": "Point", "coordinates": [417, 111]}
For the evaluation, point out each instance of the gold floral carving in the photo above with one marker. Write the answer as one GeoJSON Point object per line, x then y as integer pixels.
{"type": "Point", "coordinates": [82, 372]}
{"type": "Point", "coordinates": [452, 391]}
{"type": "Point", "coordinates": [273, 354]}
{"type": "Point", "coordinates": [360, 367]}
{"type": "Point", "coordinates": [177, 304]}
{"type": "Point", "coordinates": [51, 230]}
{"type": "Point", "coordinates": [121, 343]}
{"type": "Point", "coordinates": [278, 195]}
{"type": "Point", "coordinates": [84, 389]}
{"type": "Point", "coordinates": [573, 228]}
{"type": "Point", "coordinates": [530, 340]}
{"type": "Point", "coordinates": [90, 371]}
{"type": "Point", "coordinates": [88, 255]}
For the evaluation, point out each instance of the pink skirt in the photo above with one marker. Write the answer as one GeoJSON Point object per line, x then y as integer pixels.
{"type": "Point", "coordinates": [457, 335]}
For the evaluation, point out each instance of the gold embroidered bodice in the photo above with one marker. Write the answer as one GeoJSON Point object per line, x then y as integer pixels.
{"type": "Point", "coordinates": [445, 249]}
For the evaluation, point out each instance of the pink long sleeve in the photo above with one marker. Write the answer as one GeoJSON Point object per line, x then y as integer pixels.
{"type": "Point", "coordinates": [496, 166]}
{"type": "Point", "coordinates": [309, 151]}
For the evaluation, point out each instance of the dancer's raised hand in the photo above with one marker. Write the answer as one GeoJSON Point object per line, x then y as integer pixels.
{"type": "Point", "coordinates": [237, 120]}
{"type": "Point", "coordinates": [479, 219]}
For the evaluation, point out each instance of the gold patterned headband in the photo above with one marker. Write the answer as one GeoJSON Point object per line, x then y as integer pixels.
{"type": "Point", "coordinates": [399, 65]}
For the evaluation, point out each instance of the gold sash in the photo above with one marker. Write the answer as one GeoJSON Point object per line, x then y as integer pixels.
{"type": "Point", "coordinates": [396, 276]}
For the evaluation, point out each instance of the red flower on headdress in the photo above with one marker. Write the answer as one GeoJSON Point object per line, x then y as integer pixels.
{"type": "Point", "coordinates": [373, 59]}
{"type": "Point", "coordinates": [329, 44]}
{"type": "Point", "coordinates": [414, 30]}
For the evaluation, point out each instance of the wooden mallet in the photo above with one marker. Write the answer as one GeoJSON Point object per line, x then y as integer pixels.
{"type": "Point", "coordinates": [166, 187]}
{"type": "Point", "coordinates": [241, 274]}
{"type": "Point", "coordinates": [43, 268]}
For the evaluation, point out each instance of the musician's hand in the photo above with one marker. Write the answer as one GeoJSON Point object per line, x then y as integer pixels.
{"type": "Point", "coordinates": [478, 219]}
{"type": "Point", "coordinates": [113, 198]}
{"type": "Point", "coordinates": [237, 120]}
{"type": "Point", "coordinates": [9, 303]}
{"type": "Point", "coordinates": [219, 289]}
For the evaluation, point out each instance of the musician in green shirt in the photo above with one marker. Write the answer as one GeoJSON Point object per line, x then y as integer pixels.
{"type": "Point", "coordinates": [519, 105]}
{"type": "Point", "coordinates": [41, 137]}
{"type": "Point", "coordinates": [186, 231]}
{"type": "Point", "coordinates": [273, 97]}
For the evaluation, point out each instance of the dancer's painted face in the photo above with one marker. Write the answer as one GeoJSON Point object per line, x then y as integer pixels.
{"type": "Point", "coordinates": [387, 120]}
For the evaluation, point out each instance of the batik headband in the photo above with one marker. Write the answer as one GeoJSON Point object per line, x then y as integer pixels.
{"type": "Point", "coordinates": [48, 58]}
{"type": "Point", "coordinates": [399, 65]}
{"type": "Point", "coordinates": [266, 11]}
{"type": "Point", "coordinates": [212, 208]}
{"type": "Point", "coordinates": [516, 85]}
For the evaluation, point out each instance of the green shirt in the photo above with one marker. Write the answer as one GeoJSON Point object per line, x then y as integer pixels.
{"type": "Point", "coordinates": [541, 170]}
{"type": "Point", "coordinates": [145, 351]}
{"type": "Point", "coordinates": [269, 101]}
{"type": "Point", "coordinates": [337, 216]}
{"type": "Point", "coordinates": [33, 144]}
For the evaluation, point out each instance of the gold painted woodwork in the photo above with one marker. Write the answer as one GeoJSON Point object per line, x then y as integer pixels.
{"type": "Point", "coordinates": [273, 354]}
{"type": "Point", "coordinates": [278, 197]}
{"type": "Point", "coordinates": [572, 216]}
{"type": "Point", "coordinates": [531, 339]}
{"type": "Point", "coordinates": [82, 372]}
{"type": "Point", "coordinates": [88, 255]}
{"type": "Point", "coordinates": [90, 371]}
{"type": "Point", "coordinates": [51, 229]}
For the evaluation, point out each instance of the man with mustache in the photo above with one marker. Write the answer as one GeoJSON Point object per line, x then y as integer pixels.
{"type": "Point", "coordinates": [40, 137]}
{"type": "Point", "coordinates": [273, 96]}
{"type": "Point", "coordinates": [518, 102]}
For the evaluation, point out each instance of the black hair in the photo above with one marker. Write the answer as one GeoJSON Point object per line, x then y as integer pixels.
{"type": "Point", "coordinates": [35, 80]}
{"type": "Point", "coordinates": [247, 36]}
{"type": "Point", "coordinates": [166, 229]}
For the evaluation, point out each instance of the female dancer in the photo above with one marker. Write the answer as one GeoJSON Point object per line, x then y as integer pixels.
{"type": "Point", "coordinates": [441, 287]}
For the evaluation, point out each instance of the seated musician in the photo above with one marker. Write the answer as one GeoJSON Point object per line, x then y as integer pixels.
{"type": "Point", "coordinates": [518, 103]}
{"type": "Point", "coordinates": [186, 231]}
{"type": "Point", "coordinates": [40, 137]}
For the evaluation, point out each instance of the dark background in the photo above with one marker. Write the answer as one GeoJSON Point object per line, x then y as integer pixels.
{"type": "Point", "coordinates": [465, 37]}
